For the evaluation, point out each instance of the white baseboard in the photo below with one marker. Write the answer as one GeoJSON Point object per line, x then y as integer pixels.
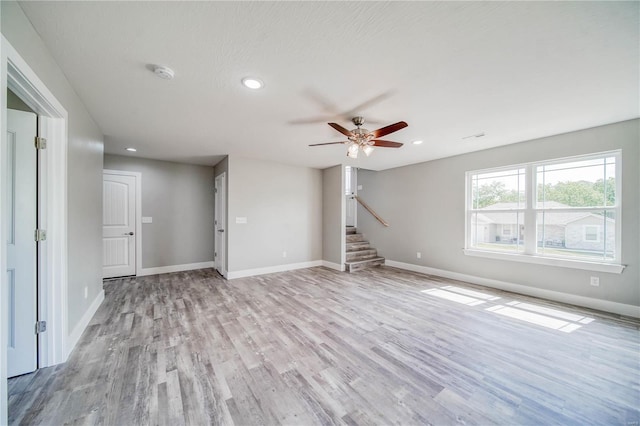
{"type": "Point", "coordinates": [271, 269]}
{"type": "Point", "coordinates": [572, 299]}
{"type": "Point", "coordinates": [75, 335]}
{"type": "Point", "coordinates": [174, 268]}
{"type": "Point", "coordinates": [332, 265]}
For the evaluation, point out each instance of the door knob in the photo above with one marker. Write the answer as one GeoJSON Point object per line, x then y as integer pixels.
{"type": "Point", "coordinates": [220, 230]}
{"type": "Point", "coordinates": [129, 233]}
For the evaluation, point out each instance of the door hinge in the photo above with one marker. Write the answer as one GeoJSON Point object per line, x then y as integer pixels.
{"type": "Point", "coordinates": [40, 235]}
{"type": "Point", "coordinates": [215, 190]}
{"type": "Point", "coordinates": [41, 327]}
{"type": "Point", "coordinates": [41, 143]}
{"type": "Point", "coordinates": [215, 222]}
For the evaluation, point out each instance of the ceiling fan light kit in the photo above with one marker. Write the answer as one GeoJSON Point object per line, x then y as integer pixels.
{"type": "Point", "coordinates": [363, 139]}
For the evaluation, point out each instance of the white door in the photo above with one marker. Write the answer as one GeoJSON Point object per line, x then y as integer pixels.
{"type": "Point", "coordinates": [220, 239]}
{"type": "Point", "coordinates": [118, 225]}
{"type": "Point", "coordinates": [21, 245]}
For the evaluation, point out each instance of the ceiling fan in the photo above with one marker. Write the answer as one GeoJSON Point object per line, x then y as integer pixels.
{"type": "Point", "coordinates": [364, 139]}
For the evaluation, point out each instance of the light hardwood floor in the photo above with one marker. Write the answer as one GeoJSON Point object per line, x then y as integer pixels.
{"type": "Point", "coordinates": [317, 346]}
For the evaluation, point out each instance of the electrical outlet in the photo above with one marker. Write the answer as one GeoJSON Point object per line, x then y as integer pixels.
{"type": "Point", "coordinates": [86, 292]}
{"type": "Point", "coordinates": [419, 255]}
{"type": "Point", "coordinates": [595, 281]}
{"type": "Point", "coordinates": [284, 254]}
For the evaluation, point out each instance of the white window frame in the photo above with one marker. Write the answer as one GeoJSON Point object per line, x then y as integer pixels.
{"type": "Point", "coordinates": [530, 253]}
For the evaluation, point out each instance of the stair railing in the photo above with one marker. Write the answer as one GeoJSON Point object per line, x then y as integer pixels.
{"type": "Point", "coordinates": [370, 210]}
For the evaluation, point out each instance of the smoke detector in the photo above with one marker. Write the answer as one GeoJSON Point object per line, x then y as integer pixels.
{"type": "Point", "coordinates": [164, 73]}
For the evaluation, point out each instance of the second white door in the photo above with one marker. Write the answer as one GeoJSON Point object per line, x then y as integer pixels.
{"type": "Point", "coordinates": [118, 225]}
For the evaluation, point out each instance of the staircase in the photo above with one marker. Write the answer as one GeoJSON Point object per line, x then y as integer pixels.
{"type": "Point", "coordinates": [360, 254]}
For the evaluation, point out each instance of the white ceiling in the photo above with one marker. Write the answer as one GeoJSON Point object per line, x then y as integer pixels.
{"type": "Point", "coordinates": [513, 70]}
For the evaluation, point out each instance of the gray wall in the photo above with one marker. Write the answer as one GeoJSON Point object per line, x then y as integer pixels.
{"type": "Point", "coordinates": [14, 102]}
{"type": "Point", "coordinates": [283, 207]}
{"type": "Point", "coordinates": [223, 167]}
{"type": "Point", "coordinates": [84, 162]}
{"type": "Point", "coordinates": [425, 205]}
{"type": "Point", "coordinates": [179, 198]}
{"type": "Point", "coordinates": [333, 233]}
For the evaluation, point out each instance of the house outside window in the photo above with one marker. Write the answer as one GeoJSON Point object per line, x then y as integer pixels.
{"type": "Point", "coordinates": [564, 209]}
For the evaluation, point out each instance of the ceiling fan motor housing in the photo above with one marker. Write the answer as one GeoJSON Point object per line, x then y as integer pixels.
{"type": "Point", "coordinates": [358, 121]}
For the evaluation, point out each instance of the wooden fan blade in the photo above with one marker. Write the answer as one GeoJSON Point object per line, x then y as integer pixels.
{"type": "Point", "coordinates": [389, 129]}
{"type": "Point", "coordinates": [341, 129]}
{"type": "Point", "coordinates": [387, 144]}
{"type": "Point", "coordinates": [328, 143]}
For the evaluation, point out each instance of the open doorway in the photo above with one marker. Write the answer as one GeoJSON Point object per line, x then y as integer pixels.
{"type": "Point", "coordinates": [220, 251]}
{"type": "Point", "coordinates": [53, 342]}
{"type": "Point", "coordinates": [350, 190]}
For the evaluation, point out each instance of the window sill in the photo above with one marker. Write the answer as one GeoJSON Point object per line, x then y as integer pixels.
{"type": "Point", "coordinates": [612, 268]}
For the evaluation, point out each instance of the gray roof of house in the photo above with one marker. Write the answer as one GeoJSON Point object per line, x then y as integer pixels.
{"type": "Point", "coordinates": [557, 218]}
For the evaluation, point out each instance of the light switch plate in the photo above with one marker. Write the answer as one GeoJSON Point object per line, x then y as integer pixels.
{"type": "Point", "coordinates": [147, 219]}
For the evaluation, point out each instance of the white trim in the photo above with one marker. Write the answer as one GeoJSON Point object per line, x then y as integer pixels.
{"type": "Point", "coordinates": [138, 177]}
{"type": "Point", "coordinates": [612, 268]}
{"type": "Point", "coordinates": [174, 268]}
{"type": "Point", "coordinates": [16, 74]}
{"type": "Point", "coordinates": [271, 269]}
{"type": "Point", "coordinates": [572, 299]}
{"type": "Point", "coordinates": [332, 265]}
{"type": "Point", "coordinates": [76, 334]}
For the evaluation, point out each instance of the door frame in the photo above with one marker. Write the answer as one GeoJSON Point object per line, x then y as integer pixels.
{"type": "Point", "coordinates": [52, 200]}
{"type": "Point", "coordinates": [138, 215]}
{"type": "Point", "coordinates": [222, 177]}
{"type": "Point", "coordinates": [349, 198]}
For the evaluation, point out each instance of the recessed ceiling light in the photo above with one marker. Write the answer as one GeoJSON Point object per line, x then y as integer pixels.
{"type": "Point", "coordinates": [131, 149]}
{"type": "Point", "coordinates": [252, 83]}
{"type": "Point", "coordinates": [417, 142]}
{"type": "Point", "coordinates": [164, 73]}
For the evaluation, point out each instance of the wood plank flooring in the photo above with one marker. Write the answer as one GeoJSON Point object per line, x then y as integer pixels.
{"type": "Point", "coordinates": [316, 346]}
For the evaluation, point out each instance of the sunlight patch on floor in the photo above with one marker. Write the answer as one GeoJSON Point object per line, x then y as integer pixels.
{"type": "Point", "coordinates": [454, 297]}
{"type": "Point", "coordinates": [533, 318]}
{"type": "Point", "coordinates": [552, 312]}
{"type": "Point", "coordinates": [543, 316]}
{"type": "Point", "coordinates": [472, 293]}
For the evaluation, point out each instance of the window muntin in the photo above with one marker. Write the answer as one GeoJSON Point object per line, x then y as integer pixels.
{"type": "Point", "coordinates": [586, 183]}
{"type": "Point", "coordinates": [501, 190]}
{"type": "Point", "coordinates": [573, 212]}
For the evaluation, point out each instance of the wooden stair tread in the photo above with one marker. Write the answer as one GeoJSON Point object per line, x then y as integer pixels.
{"type": "Point", "coordinates": [361, 251]}
{"type": "Point", "coordinates": [357, 262]}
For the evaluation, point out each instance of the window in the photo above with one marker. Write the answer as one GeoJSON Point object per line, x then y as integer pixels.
{"type": "Point", "coordinates": [498, 201]}
{"type": "Point", "coordinates": [562, 210]}
{"type": "Point", "coordinates": [591, 233]}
